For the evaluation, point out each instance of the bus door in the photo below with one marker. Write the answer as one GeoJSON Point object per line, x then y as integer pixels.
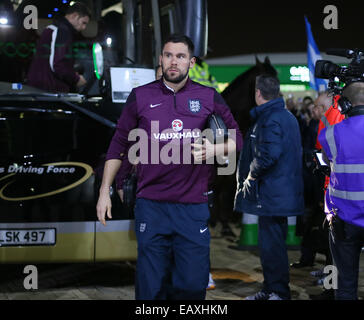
{"type": "Point", "coordinates": [47, 211]}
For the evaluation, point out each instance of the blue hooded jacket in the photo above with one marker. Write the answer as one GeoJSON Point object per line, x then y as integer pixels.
{"type": "Point", "coordinates": [272, 153]}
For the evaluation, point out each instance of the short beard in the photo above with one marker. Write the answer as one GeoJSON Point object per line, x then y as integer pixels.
{"type": "Point", "coordinates": [175, 80]}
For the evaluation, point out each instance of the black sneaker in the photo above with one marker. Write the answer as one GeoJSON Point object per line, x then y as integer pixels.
{"type": "Point", "coordinates": [317, 273]}
{"type": "Point", "coordinates": [301, 264]}
{"type": "Point", "coordinates": [324, 295]}
{"type": "Point", "coordinates": [274, 296]}
{"type": "Point", "coordinates": [259, 296]}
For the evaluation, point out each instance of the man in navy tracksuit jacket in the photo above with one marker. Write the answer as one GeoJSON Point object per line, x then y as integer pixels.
{"type": "Point", "coordinates": [171, 209]}
{"type": "Point", "coordinates": [52, 66]}
{"type": "Point", "coordinates": [271, 164]}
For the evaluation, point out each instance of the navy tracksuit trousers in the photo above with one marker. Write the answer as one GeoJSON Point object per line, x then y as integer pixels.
{"type": "Point", "coordinates": [173, 250]}
{"type": "Point", "coordinates": [272, 233]}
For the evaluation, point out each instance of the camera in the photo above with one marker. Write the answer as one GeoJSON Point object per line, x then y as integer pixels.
{"type": "Point", "coordinates": [341, 76]}
{"type": "Point", "coordinates": [326, 69]}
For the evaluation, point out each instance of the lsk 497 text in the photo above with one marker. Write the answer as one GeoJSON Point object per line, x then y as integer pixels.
{"type": "Point", "coordinates": [16, 236]}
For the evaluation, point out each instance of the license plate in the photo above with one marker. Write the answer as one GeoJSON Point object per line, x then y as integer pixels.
{"type": "Point", "coordinates": [27, 237]}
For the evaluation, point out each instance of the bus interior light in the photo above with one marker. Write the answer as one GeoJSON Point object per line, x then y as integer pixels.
{"type": "Point", "coordinates": [3, 20]}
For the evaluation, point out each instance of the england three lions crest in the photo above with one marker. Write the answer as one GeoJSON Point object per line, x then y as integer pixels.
{"type": "Point", "coordinates": [195, 105]}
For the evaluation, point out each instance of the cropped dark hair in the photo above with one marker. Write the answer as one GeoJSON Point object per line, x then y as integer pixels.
{"type": "Point", "coordinates": [80, 8]}
{"type": "Point", "coordinates": [268, 85]}
{"type": "Point", "coordinates": [180, 38]}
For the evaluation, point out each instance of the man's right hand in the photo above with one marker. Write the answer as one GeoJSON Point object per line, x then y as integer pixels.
{"type": "Point", "coordinates": [81, 82]}
{"type": "Point", "coordinates": [103, 206]}
{"type": "Point", "coordinates": [246, 184]}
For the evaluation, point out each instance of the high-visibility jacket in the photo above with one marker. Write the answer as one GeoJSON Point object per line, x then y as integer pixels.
{"type": "Point", "coordinates": [202, 75]}
{"type": "Point", "coordinates": [331, 117]}
{"type": "Point", "coordinates": [344, 147]}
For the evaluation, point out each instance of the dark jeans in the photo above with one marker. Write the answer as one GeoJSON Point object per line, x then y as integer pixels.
{"type": "Point", "coordinates": [272, 233]}
{"type": "Point", "coordinates": [346, 242]}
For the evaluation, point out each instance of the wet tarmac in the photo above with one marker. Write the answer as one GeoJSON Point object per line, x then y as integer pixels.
{"type": "Point", "coordinates": [236, 273]}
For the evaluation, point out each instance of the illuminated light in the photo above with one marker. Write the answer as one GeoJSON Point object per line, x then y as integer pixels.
{"type": "Point", "coordinates": [97, 56]}
{"type": "Point", "coordinates": [108, 41]}
{"type": "Point", "coordinates": [16, 86]}
{"type": "Point", "coordinates": [292, 87]}
{"type": "Point", "coordinates": [4, 21]}
{"type": "Point", "coordinates": [299, 74]}
{"type": "Point", "coordinates": [222, 85]}
{"type": "Point", "coordinates": [56, 9]}
{"type": "Point", "coordinates": [72, 3]}
{"type": "Point", "coordinates": [64, 1]}
{"type": "Point", "coordinates": [49, 15]}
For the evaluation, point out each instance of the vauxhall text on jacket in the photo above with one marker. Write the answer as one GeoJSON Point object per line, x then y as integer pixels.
{"type": "Point", "coordinates": [169, 118]}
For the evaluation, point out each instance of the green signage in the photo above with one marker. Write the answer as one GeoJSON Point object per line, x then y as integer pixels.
{"type": "Point", "coordinates": [25, 50]}
{"type": "Point", "coordinates": [288, 74]}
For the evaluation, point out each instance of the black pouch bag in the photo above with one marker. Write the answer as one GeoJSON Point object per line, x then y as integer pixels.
{"type": "Point", "coordinates": [219, 133]}
{"type": "Point", "coordinates": [218, 127]}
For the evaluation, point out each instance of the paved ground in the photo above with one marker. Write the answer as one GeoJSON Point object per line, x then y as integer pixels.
{"type": "Point", "coordinates": [236, 273]}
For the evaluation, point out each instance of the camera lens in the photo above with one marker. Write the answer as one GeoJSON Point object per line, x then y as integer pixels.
{"type": "Point", "coordinates": [326, 69]}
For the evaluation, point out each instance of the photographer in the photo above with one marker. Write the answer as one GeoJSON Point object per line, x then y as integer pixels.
{"type": "Point", "coordinates": [344, 202]}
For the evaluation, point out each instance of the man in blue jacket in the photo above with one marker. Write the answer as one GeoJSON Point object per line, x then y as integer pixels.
{"type": "Point", "coordinates": [271, 164]}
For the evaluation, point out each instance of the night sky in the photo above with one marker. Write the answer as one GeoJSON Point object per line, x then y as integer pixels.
{"type": "Point", "coordinates": [276, 26]}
